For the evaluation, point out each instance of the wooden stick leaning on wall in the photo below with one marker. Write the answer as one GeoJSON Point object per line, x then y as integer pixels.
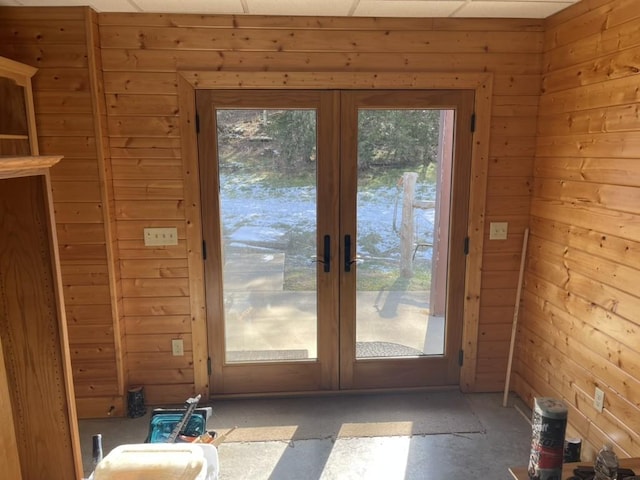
{"type": "Point", "coordinates": [516, 310]}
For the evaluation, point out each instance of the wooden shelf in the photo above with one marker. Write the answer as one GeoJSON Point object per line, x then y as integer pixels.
{"type": "Point", "coordinates": [36, 382]}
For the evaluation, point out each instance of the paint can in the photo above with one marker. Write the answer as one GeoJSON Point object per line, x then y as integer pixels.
{"type": "Point", "coordinates": [548, 424]}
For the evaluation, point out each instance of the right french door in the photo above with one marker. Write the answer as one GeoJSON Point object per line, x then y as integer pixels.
{"type": "Point", "coordinates": [335, 223]}
{"type": "Point", "coordinates": [405, 172]}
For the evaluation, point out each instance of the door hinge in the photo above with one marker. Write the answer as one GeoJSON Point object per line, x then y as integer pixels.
{"type": "Point", "coordinates": [473, 122]}
{"type": "Point", "coordinates": [460, 357]}
{"type": "Point", "coordinates": [466, 245]}
{"type": "Point", "coordinates": [209, 366]}
{"type": "Point", "coordinates": [197, 123]}
{"type": "Point", "coordinates": [204, 250]}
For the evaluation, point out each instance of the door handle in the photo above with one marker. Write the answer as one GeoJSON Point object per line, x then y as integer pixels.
{"type": "Point", "coordinates": [347, 253]}
{"type": "Point", "coordinates": [326, 254]}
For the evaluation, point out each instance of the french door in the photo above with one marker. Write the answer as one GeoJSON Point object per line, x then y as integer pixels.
{"type": "Point", "coordinates": [334, 225]}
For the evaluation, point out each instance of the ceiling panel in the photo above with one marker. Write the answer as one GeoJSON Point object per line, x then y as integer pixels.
{"type": "Point", "coordinates": [521, 9]}
{"type": "Point", "coordinates": [98, 5]}
{"type": "Point", "coordinates": [340, 8]}
{"type": "Point", "coordinates": [407, 8]}
{"type": "Point", "coordinates": [337, 8]}
{"type": "Point", "coordinates": [222, 7]}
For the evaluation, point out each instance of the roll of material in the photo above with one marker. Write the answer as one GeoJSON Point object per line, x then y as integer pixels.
{"type": "Point", "coordinates": [548, 423]}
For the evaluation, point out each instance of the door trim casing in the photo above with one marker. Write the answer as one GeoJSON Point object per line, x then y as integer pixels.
{"type": "Point", "coordinates": [188, 81]}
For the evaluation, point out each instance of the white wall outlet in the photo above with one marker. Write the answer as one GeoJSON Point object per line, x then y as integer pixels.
{"type": "Point", "coordinates": [498, 230]}
{"type": "Point", "coordinates": [177, 347]}
{"type": "Point", "coordinates": [598, 400]}
{"type": "Point", "coordinates": [160, 236]}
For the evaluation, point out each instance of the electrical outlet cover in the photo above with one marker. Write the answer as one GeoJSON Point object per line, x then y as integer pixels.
{"type": "Point", "coordinates": [498, 230]}
{"type": "Point", "coordinates": [177, 347]}
{"type": "Point", "coordinates": [598, 400]}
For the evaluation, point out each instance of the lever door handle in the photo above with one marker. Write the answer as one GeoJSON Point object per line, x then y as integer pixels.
{"type": "Point", "coordinates": [326, 254]}
{"type": "Point", "coordinates": [347, 253]}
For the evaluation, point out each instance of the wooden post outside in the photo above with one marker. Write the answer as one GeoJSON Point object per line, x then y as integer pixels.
{"type": "Point", "coordinates": [407, 229]}
{"type": "Point", "coordinates": [439, 259]}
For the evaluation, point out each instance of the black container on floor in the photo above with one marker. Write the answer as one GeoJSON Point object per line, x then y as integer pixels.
{"type": "Point", "coordinates": [572, 448]}
{"type": "Point", "coordinates": [135, 402]}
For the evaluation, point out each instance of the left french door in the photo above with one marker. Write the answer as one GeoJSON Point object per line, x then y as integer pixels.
{"type": "Point", "coordinates": [271, 227]}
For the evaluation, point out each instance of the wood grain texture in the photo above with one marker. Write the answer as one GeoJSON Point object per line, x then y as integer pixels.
{"type": "Point", "coordinates": [148, 58]}
{"type": "Point", "coordinates": [69, 122]}
{"type": "Point", "coordinates": [140, 58]}
{"type": "Point", "coordinates": [33, 339]}
{"type": "Point", "coordinates": [580, 327]}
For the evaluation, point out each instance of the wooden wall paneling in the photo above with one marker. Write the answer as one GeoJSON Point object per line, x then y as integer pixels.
{"type": "Point", "coordinates": [620, 118]}
{"type": "Point", "coordinates": [151, 306]}
{"type": "Point", "coordinates": [171, 60]}
{"type": "Point", "coordinates": [143, 189]}
{"type": "Point", "coordinates": [620, 250]}
{"type": "Point", "coordinates": [154, 268]}
{"type": "Point", "coordinates": [575, 376]}
{"type": "Point", "coordinates": [158, 324]}
{"type": "Point", "coordinates": [94, 407]}
{"type": "Point", "coordinates": [331, 23]}
{"type": "Point", "coordinates": [59, 41]}
{"type": "Point", "coordinates": [149, 73]}
{"type": "Point", "coordinates": [135, 249]}
{"type": "Point", "coordinates": [149, 192]}
{"type": "Point", "coordinates": [579, 323]}
{"type": "Point", "coordinates": [309, 40]}
{"type": "Point", "coordinates": [609, 41]}
{"type": "Point", "coordinates": [599, 95]}
{"type": "Point", "coordinates": [619, 65]}
{"type": "Point", "coordinates": [191, 178]}
{"type": "Point", "coordinates": [513, 131]}
{"type": "Point", "coordinates": [117, 371]}
{"type": "Point", "coordinates": [586, 19]}
{"type": "Point", "coordinates": [140, 82]}
{"type": "Point", "coordinates": [145, 168]}
{"type": "Point", "coordinates": [611, 222]}
{"type": "Point", "coordinates": [140, 210]}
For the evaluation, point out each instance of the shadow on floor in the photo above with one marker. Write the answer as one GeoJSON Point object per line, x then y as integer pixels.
{"type": "Point", "coordinates": [483, 444]}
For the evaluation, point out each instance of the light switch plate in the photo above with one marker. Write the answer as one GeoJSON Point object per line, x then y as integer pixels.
{"type": "Point", "coordinates": [498, 230]}
{"type": "Point", "coordinates": [160, 236]}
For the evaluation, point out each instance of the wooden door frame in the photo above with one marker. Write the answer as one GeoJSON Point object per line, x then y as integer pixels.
{"type": "Point", "coordinates": [320, 371]}
{"type": "Point", "coordinates": [190, 80]}
{"type": "Point", "coordinates": [382, 372]}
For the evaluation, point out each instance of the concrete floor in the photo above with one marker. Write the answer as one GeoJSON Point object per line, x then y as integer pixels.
{"type": "Point", "coordinates": [260, 316]}
{"type": "Point", "coordinates": [504, 442]}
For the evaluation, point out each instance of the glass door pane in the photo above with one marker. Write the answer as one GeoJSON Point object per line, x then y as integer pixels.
{"type": "Point", "coordinates": [268, 198]}
{"type": "Point", "coordinates": [267, 162]}
{"type": "Point", "coordinates": [399, 300]}
{"type": "Point", "coordinates": [405, 173]}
